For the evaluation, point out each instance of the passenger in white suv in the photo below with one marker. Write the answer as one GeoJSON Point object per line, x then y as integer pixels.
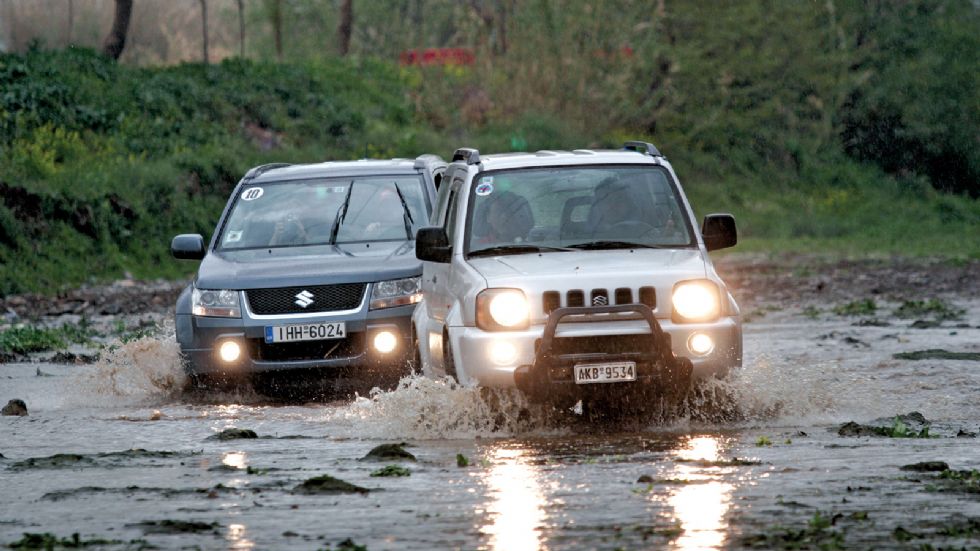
{"type": "Point", "coordinates": [554, 272]}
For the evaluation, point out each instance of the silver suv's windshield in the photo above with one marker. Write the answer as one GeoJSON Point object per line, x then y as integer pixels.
{"type": "Point", "coordinates": [321, 212]}
{"type": "Point", "coordinates": [576, 207]}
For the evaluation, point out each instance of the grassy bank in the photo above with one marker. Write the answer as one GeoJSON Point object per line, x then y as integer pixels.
{"type": "Point", "coordinates": [101, 164]}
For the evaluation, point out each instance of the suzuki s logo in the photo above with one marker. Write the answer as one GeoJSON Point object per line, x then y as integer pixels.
{"type": "Point", "coordinates": [600, 300]}
{"type": "Point", "coordinates": [303, 299]}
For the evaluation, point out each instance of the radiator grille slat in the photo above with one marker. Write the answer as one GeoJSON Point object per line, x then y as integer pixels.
{"type": "Point", "coordinates": [551, 300]}
{"type": "Point", "coordinates": [318, 298]}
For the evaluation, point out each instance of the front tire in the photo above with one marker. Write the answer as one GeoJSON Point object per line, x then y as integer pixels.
{"type": "Point", "coordinates": [448, 360]}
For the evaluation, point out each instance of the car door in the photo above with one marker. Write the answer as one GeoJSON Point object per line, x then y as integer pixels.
{"type": "Point", "coordinates": [436, 275]}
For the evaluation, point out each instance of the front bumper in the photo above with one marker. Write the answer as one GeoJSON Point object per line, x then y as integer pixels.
{"type": "Point", "coordinates": [474, 358]}
{"type": "Point", "coordinates": [200, 338]}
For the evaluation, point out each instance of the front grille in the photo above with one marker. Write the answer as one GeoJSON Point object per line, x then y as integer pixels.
{"type": "Point", "coordinates": [601, 344]}
{"type": "Point", "coordinates": [349, 347]}
{"type": "Point", "coordinates": [551, 300]}
{"type": "Point", "coordinates": [319, 298]}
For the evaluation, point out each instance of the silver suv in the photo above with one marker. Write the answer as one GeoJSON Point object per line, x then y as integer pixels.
{"type": "Point", "coordinates": [311, 269]}
{"type": "Point", "coordinates": [573, 275]}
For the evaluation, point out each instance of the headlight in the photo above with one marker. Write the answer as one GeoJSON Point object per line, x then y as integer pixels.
{"type": "Point", "coordinates": [502, 310]}
{"type": "Point", "coordinates": [696, 300]}
{"type": "Point", "coordinates": [220, 303]}
{"type": "Point", "coordinates": [396, 292]}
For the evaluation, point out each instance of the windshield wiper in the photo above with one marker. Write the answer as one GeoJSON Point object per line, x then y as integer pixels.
{"type": "Point", "coordinates": [341, 213]}
{"type": "Point", "coordinates": [407, 217]}
{"type": "Point", "coordinates": [516, 249]}
{"type": "Point", "coordinates": [609, 244]}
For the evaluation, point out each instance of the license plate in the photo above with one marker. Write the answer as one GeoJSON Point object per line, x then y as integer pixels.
{"type": "Point", "coordinates": [305, 332]}
{"type": "Point", "coordinates": [613, 372]}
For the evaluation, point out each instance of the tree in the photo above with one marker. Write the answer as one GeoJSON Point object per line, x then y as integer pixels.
{"type": "Point", "coordinates": [204, 30]}
{"type": "Point", "coordinates": [71, 22]}
{"type": "Point", "coordinates": [345, 27]}
{"type": "Point", "coordinates": [116, 40]}
{"type": "Point", "coordinates": [241, 28]}
{"type": "Point", "coordinates": [274, 8]}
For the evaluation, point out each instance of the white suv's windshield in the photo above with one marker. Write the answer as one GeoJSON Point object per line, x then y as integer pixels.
{"type": "Point", "coordinates": [320, 212]}
{"type": "Point", "coordinates": [574, 207]}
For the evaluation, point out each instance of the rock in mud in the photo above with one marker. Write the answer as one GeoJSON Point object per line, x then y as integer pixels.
{"type": "Point", "coordinates": [73, 358]}
{"type": "Point", "coordinates": [908, 425]}
{"type": "Point", "coordinates": [234, 434]}
{"type": "Point", "coordinates": [12, 357]}
{"type": "Point", "coordinates": [326, 484]}
{"type": "Point", "coordinates": [937, 354]}
{"type": "Point", "coordinates": [175, 526]}
{"type": "Point", "coordinates": [926, 467]}
{"type": "Point", "coordinates": [57, 461]}
{"type": "Point", "coordinates": [15, 407]}
{"type": "Point", "coordinates": [392, 470]}
{"type": "Point", "coordinates": [386, 452]}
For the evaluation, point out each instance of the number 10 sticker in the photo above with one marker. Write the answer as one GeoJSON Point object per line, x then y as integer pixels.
{"type": "Point", "coordinates": [252, 193]}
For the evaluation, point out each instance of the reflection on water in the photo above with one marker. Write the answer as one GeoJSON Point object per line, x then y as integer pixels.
{"type": "Point", "coordinates": [700, 507]}
{"type": "Point", "coordinates": [235, 460]}
{"type": "Point", "coordinates": [517, 506]}
{"type": "Point", "coordinates": [237, 537]}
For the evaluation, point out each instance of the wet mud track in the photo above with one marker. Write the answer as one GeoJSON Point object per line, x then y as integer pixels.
{"type": "Point", "coordinates": [115, 453]}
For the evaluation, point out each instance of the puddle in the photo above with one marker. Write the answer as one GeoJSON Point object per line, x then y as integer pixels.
{"type": "Point", "coordinates": [119, 453]}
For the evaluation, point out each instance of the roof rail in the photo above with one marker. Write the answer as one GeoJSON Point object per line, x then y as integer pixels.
{"type": "Point", "coordinates": [468, 154]}
{"type": "Point", "coordinates": [257, 171]}
{"type": "Point", "coordinates": [643, 147]}
{"type": "Point", "coordinates": [426, 158]}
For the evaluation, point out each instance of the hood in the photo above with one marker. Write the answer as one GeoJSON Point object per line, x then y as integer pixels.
{"type": "Point", "coordinates": [314, 265]}
{"type": "Point", "coordinates": [567, 269]}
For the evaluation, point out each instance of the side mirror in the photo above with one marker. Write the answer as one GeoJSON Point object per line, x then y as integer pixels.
{"type": "Point", "coordinates": [432, 244]}
{"type": "Point", "coordinates": [187, 246]}
{"type": "Point", "coordinates": [719, 231]}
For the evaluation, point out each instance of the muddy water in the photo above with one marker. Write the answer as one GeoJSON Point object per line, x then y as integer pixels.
{"type": "Point", "coordinates": [778, 476]}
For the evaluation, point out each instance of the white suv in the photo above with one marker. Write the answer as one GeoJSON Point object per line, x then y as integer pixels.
{"type": "Point", "coordinates": [573, 275]}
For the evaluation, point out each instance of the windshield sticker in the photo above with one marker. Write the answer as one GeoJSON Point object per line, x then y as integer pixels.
{"type": "Point", "coordinates": [485, 188]}
{"type": "Point", "coordinates": [252, 193]}
{"type": "Point", "coordinates": [337, 189]}
{"type": "Point", "coordinates": [234, 236]}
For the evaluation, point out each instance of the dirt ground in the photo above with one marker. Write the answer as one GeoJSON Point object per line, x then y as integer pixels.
{"type": "Point", "coordinates": [117, 453]}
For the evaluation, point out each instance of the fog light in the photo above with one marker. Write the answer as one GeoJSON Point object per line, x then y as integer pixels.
{"type": "Point", "coordinates": [503, 353]}
{"type": "Point", "coordinates": [385, 342]}
{"type": "Point", "coordinates": [229, 351]}
{"type": "Point", "coordinates": [700, 344]}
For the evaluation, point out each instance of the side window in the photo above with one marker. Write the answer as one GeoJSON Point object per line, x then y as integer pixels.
{"type": "Point", "coordinates": [442, 201]}
{"type": "Point", "coordinates": [437, 179]}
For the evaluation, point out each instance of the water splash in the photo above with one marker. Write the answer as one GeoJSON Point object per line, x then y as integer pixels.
{"type": "Point", "coordinates": [144, 370]}
{"type": "Point", "coordinates": [786, 393]}
{"type": "Point", "coordinates": [424, 408]}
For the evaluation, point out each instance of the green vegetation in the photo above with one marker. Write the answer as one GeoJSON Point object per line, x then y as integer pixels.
{"type": "Point", "coordinates": [49, 541]}
{"type": "Point", "coordinates": [863, 307]}
{"type": "Point", "coordinates": [462, 461]}
{"type": "Point", "coordinates": [824, 127]}
{"type": "Point", "coordinates": [937, 354]}
{"type": "Point", "coordinates": [818, 534]}
{"type": "Point", "coordinates": [936, 309]}
{"type": "Point", "coordinates": [25, 339]}
{"type": "Point", "coordinates": [763, 441]}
